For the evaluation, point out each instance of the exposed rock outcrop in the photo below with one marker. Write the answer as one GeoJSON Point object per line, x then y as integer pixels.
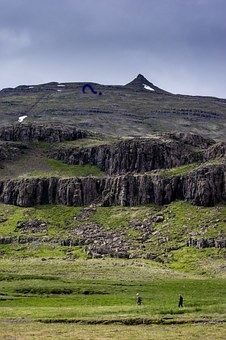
{"type": "Point", "coordinates": [34, 133]}
{"type": "Point", "coordinates": [32, 225]}
{"type": "Point", "coordinates": [215, 151]}
{"type": "Point", "coordinates": [131, 155]}
{"type": "Point", "coordinates": [204, 186]}
{"type": "Point", "coordinates": [218, 242]}
{"type": "Point", "coordinates": [191, 139]}
{"type": "Point", "coordinates": [11, 151]}
{"type": "Point", "coordinates": [99, 241]}
{"type": "Point", "coordinates": [125, 162]}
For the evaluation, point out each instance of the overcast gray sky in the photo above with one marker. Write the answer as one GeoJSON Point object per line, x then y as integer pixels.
{"type": "Point", "coordinates": [179, 45]}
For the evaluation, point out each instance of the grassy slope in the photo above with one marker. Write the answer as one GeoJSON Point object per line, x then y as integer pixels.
{"type": "Point", "coordinates": [118, 111]}
{"type": "Point", "coordinates": [36, 163]}
{"type": "Point", "coordinates": [181, 219]}
{"type": "Point", "coordinates": [180, 170]}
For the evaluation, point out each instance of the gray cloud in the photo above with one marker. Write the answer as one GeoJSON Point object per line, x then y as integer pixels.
{"type": "Point", "coordinates": [177, 44]}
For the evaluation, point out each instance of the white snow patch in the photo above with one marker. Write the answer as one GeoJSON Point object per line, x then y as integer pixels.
{"type": "Point", "coordinates": [61, 85]}
{"type": "Point", "coordinates": [148, 87]}
{"type": "Point", "coordinates": [31, 87]}
{"type": "Point", "coordinates": [21, 118]}
{"type": "Point", "coordinates": [59, 90]}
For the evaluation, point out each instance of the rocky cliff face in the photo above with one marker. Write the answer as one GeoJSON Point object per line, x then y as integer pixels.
{"type": "Point", "coordinates": [191, 139]}
{"type": "Point", "coordinates": [11, 151]}
{"type": "Point", "coordinates": [215, 151]}
{"type": "Point", "coordinates": [34, 133]}
{"type": "Point", "coordinates": [205, 187]}
{"type": "Point", "coordinates": [125, 163]}
{"type": "Point", "coordinates": [131, 155]}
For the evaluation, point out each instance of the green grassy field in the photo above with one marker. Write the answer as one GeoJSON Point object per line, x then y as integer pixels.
{"type": "Point", "coordinates": [97, 299]}
{"type": "Point", "coordinates": [110, 332]}
{"type": "Point", "coordinates": [52, 291]}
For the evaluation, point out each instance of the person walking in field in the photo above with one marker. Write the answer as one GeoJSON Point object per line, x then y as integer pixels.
{"type": "Point", "coordinates": [180, 301]}
{"type": "Point", "coordinates": [139, 299]}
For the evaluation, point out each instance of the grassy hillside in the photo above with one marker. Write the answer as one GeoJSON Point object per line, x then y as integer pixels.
{"type": "Point", "coordinates": [167, 243]}
{"type": "Point", "coordinates": [120, 111]}
{"type": "Point", "coordinates": [35, 162]}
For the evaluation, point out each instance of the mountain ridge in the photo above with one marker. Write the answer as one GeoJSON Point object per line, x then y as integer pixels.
{"type": "Point", "coordinates": [136, 84]}
{"type": "Point", "coordinates": [138, 108]}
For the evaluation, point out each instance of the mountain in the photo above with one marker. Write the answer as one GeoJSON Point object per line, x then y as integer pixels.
{"type": "Point", "coordinates": [135, 172]}
{"type": "Point", "coordinates": [140, 83]}
{"type": "Point", "coordinates": [139, 108]}
{"type": "Point", "coordinates": [103, 196]}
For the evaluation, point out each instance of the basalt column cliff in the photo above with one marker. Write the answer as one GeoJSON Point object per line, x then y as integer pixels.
{"type": "Point", "coordinates": [137, 171]}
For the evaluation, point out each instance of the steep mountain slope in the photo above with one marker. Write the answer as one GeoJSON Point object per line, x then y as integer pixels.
{"type": "Point", "coordinates": [138, 108]}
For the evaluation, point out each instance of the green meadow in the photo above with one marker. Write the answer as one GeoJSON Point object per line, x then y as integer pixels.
{"type": "Point", "coordinates": [45, 297]}
{"type": "Point", "coordinates": [52, 291]}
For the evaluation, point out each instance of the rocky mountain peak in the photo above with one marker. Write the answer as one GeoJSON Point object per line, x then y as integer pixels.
{"type": "Point", "coordinates": [140, 83]}
{"type": "Point", "coordinates": [141, 78]}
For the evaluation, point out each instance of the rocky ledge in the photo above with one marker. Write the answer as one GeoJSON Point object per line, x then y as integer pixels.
{"type": "Point", "coordinates": [133, 167]}
{"type": "Point", "coordinates": [142, 155]}
{"type": "Point", "coordinates": [11, 151]}
{"type": "Point", "coordinates": [204, 186]}
{"type": "Point", "coordinates": [37, 132]}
